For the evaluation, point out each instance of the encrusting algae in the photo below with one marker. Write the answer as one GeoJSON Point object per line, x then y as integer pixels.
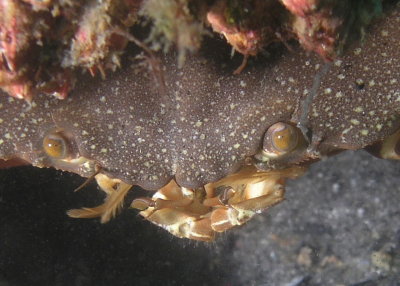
{"type": "Point", "coordinates": [45, 44]}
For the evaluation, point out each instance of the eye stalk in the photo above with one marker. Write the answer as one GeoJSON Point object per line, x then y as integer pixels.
{"type": "Point", "coordinates": [59, 149]}
{"type": "Point", "coordinates": [281, 138]}
{"type": "Point", "coordinates": [283, 145]}
{"type": "Point", "coordinates": [56, 145]}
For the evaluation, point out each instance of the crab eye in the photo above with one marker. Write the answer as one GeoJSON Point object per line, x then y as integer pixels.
{"type": "Point", "coordinates": [280, 138]}
{"type": "Point", "coordinates": [56, 145]}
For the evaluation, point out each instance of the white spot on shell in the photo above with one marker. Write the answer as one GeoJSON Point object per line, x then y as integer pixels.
{"type": "Point", "coordinates": [360, 81]}
{"type": "Point", "coordinates": [359, 109]}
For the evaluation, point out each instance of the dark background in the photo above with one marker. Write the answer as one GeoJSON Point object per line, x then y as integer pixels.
{"type": "Point", "coordinates": [340, 225]}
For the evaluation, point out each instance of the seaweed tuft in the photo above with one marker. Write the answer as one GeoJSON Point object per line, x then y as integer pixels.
{"type": "Point", "coordinates": [175, 23]}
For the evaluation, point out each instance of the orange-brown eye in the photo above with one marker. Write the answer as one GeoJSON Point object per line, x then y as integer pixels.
{"type": "Point", "coordinates": [281, 138]}
{"type": "Point", "coordinates": [55, 145]}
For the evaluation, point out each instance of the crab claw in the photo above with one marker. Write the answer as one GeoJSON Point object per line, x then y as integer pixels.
{"type": "Point", "coordinates": [198, 214]}
{"type": "Point", "coordinates": [178, 210]}
{"type": "Point", "coordinates": [201, 213]}
{"type": "Point", "coordinates": [183, 224]}
{"type": "Point", "coordinates": [223, 219]}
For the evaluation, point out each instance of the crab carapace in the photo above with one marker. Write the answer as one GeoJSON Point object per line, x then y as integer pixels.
{"type": "Point", "coordinates": [215, 146]}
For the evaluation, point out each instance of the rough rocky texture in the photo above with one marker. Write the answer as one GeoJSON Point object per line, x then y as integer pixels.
{"type": "Point", "coordinates": [335, 219]}
{"type": "Point", "coordinates": [340, 225]}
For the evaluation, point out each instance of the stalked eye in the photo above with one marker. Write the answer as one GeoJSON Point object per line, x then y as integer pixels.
{"type": "Point", "coordinates": [56, 145]}
{"type": "Point", "coordinates": [281, 138]}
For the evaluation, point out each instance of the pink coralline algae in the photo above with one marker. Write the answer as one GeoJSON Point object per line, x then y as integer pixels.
{"type": "Point", "coordinates": [44, 43]}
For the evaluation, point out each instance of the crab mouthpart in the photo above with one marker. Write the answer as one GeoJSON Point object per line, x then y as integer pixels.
{"type": "Point", "coordinates": [200, 214]}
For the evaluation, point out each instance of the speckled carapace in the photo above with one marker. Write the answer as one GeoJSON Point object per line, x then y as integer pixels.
{"type": "Point", "coordinates": [199, 123]}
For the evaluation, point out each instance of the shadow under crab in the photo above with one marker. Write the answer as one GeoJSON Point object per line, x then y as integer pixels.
{"type": "Point", "coordinates": [344, 210]}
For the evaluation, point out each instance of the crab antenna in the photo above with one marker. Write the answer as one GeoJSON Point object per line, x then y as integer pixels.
{"type": "Point", "coordinates": [88, 180]}
{"type": "Point", "coordinates": [306, 104]}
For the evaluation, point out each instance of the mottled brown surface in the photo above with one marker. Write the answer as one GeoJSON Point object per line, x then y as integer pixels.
{"type": "Point", "coordinates": [202, 122]}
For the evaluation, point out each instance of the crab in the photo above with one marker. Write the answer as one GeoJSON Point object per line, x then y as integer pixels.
{"type": "Point", "coordinates": [216, 148]}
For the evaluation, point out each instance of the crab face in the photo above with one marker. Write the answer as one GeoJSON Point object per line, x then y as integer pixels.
{"type": "Point", "coordinates": [216, 147]}
{"type": "Point", "coordinates": [200, 213]}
